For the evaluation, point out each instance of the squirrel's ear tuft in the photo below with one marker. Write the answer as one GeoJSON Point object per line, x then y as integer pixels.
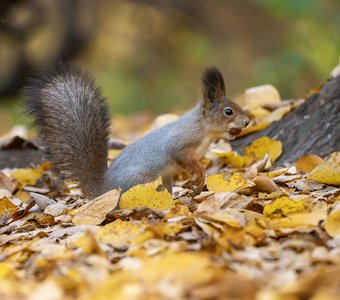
{"type": "Point", "coordinates": [212, 84]}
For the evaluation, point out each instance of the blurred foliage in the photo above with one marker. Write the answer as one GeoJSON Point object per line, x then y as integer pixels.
{"type": "Point", "coordinates": [148, 55]}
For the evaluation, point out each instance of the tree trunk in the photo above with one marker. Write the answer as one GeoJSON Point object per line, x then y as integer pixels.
{"type": "Point", "coordinates": [313, 128]}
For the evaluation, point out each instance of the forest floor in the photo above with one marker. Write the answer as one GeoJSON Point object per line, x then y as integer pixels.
{"type": "Point", "coordinates": [257, 231]}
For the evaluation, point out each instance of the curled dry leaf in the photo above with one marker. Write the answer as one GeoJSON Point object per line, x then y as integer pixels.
{"type": "Point", "coordinates": [94, 212]}
{"type": "Point", "coordinates": [308, 163]}
{"type": "Point", "coordinates": [42, 201]}
{"type": "Point", "coordinates": [265, 184]}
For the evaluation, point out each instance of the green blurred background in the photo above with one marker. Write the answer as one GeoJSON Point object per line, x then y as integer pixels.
{"type": "Point", "coordinates": [148, 55]}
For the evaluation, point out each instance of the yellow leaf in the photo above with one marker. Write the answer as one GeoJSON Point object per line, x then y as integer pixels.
{"type": "Point", "coordinates": [276, 114]}
{"type": "Point", "coordinates": [165, 276]}
{"type": "Point", "coordinates": [257, 127]}
{"type": "Point", "coordinates": [167, 229]}
{"type": "Point", "coordinates": [218, 183]}
{"type": "Point", "coordinates": [94, 212]}
{"type": "Point", "coordinates": [332, 224]}
{"type": "Point", "coordinates": [325, 173]}
{"type": "Point", "coordinates": [262, 146]}
{"type": "Point", "coordinates": [6, 270]}
{"type": "Point", "coordinates": [298, 220]}
{"type": "Point", "coordinates": [259, 112]}
{"type": "Point", "coordinates": [7, 207]}
{"type": "Point", "coordinates": [27, 176]}
{"type": "Point", "coordinates": [308, 163]}
{"type": "Point", "coordinates": [113, 153]}
{"type": "Point", "coordinates": [123, 233]}
{"type": "Point", "coordinates": [147, 195]}
{"type": "Point", "coordinates": [237, 161]}
{"type": "Point", "coordinates": [282, 207]}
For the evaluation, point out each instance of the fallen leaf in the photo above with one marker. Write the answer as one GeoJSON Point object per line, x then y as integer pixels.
{"type": "Point", "coordinates": [325, 173]}
{"type": "Point", "coordinates": [262, 146]}
{"type": "Point", "coordinates": [254, 128]}
{"type": "Point", "coordinates": [94, 212]}
{"type": "Point", "coordinates": [332, 224]}
{"type": "Point", "coordinates": [29, 176]}
{"type": "Point", "coordinates": [282, 207]}
{"type": "Point", "coordinates": [42, 201]}
{"type": "Point", "coordinates": [235, 160]}
{"type": "Point", "coordinates": [7, 207]}
{"type": "Point", "coordinates": [147, 195]}
{"type": "Point", "coordinates": [308, 163]}
{"type": "Point", "coordinates": [7, 182]}
{"type": "Point", "coordinates": [122, 234]}
{"type": "Point", "coordinates": [218, 183]}
{"type": "Point", "coordinates": [260, 96]}
{"type": "Point", "coordinates": [21, 213]}
{"type": "Point", "coordinates": [298, 220]}
{"type": "Point", "coordinates": [276, 114]}
{"type": "Point", "coordinates": [265, 184]}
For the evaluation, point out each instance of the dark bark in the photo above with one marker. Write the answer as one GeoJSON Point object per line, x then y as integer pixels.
{"type": "Point", "coordinates": [313, 128]}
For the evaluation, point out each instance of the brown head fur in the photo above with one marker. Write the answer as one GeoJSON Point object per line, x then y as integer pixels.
{"type": "Point", "coordinates": [220, 113]}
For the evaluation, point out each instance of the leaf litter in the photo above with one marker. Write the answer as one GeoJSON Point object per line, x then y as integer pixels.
{"type": "Point", "coordinates": [255, 232]}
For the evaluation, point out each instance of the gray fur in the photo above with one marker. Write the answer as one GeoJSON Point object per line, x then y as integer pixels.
{"type": "Point", "coordinates": [74, 124]}
{"type": "Point", "coordinates": [74, 127]}
{"type": "Point", "coordinates": [154, 154]}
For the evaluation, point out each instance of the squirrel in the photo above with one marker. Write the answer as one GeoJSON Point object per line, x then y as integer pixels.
{"type": "Point", "coordinates": [74, 127]}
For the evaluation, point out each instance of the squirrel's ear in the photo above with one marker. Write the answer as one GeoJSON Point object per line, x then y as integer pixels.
{"type": "Point", "coordinates": [212, 85]}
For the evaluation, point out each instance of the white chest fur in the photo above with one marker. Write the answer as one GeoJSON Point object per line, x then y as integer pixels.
{"type": "Point", "coordinates": [203, 147]}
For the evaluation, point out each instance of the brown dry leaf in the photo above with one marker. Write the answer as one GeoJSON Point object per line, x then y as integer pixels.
{"type": "Point", "coordinates": [283, 207]}
{"type": "Point", "coordinates": [308, 163]}
{"type": "Point", "coordinates": [7, 182]}
{"type": "Point", "coordinates": [262, 146]}
{"type": "Point", "coordinates": [332, 224]}
{"type": "Point", "coordinates": [265, 184]}
{"type": "Point", "coordinates": [94, 212]}
{"type": "Point", "coordinates": [152, 195]}
{"type": "Point", "coordinates": [218, 183]}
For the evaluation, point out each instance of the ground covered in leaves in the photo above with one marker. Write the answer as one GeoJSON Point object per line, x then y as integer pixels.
{"type": "Point", "coordinates": [257, 231]}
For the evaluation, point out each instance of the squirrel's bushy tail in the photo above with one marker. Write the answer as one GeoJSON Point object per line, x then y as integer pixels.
{"type": "Point", "coordinates": [74, 124]}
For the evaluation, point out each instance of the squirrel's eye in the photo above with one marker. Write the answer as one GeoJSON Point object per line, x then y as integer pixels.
{"type": "Point", "coordinates": [228, 111]}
